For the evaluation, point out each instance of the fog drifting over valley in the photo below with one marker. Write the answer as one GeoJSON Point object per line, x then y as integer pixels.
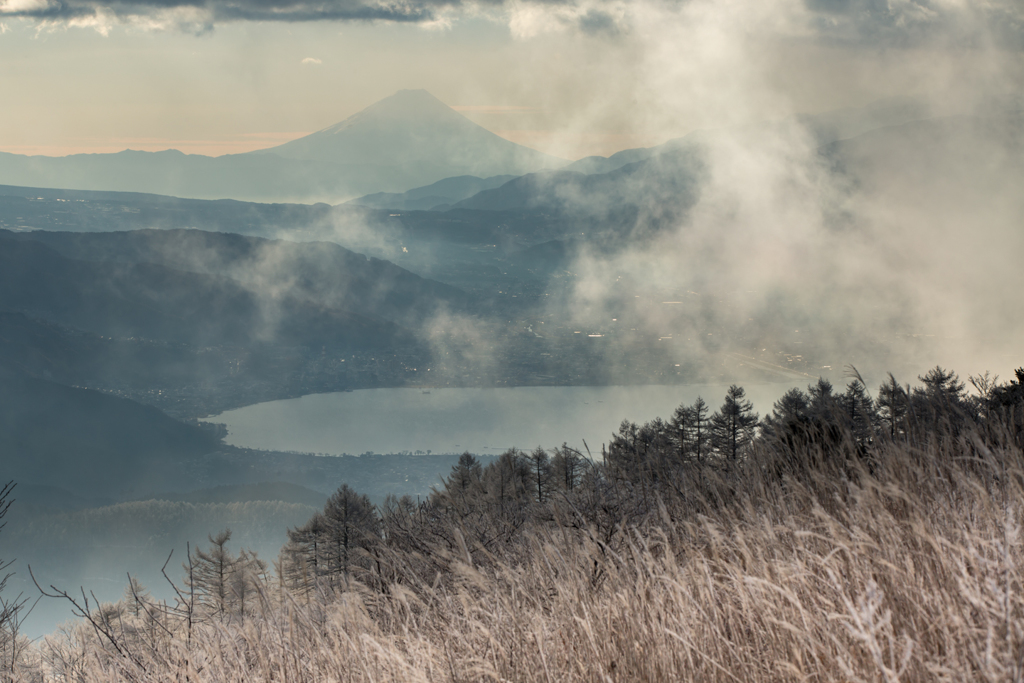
{"type": "Point", "coordinates": [891, 247]}
{"type": "Point", "coordinates": [804, 186]}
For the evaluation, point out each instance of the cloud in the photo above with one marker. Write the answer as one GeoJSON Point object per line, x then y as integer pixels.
{"type": "Point", "coordinates": [894, 23]}
{"type": "Point", "coordinates": [199, 15]}
{"type": "Point", "coordinates": [312, 60]}
{"type": "Point", "coordinates": [909, 22]}
{"type": "Point", "coordinates": [16, 7]}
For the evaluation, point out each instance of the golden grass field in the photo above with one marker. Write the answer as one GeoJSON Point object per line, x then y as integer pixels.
{"type": "Point", "coordinates": [900, 563]}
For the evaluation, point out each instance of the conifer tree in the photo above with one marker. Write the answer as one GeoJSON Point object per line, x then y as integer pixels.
{"type": "Point", "coordinates": [732, 427]}
{"type": "Point", "coordinates": [942, 387]}
{"type": "Point", "coordinates": [623, 454]}
{"type": "Point", "coordinates": [465, 476]}
{"type": "Point", "coordinates": [211, 574]}
{"type": "Point", "coordinates": [893, 403]}
{"type": "Point", "coordinates": [9, 609]}
{"type": "Point", "coordinates": [303, 563]}
{"type": "Point", "coordinates": [822, 405]}
{"type": "Point", "coordinates": [136, 596]}
{"type": "Point", "coordinates": [566, 468]}
{"type": "Point", "coordinates": [507, 478]}
{"type": "Point", "coordinates": [689, 428]}
{"type": "Point", "coordinates": [860, 411]}
{"type": "Point", "coordinates": [540, 473]}
{"type": "Point", "coordinates": [249, 575]}
{"type": "Point", "coordinates": [351, 522]}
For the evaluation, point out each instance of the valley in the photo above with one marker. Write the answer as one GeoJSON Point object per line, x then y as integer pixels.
{"type": "Point", "coordinates": [355, 340]}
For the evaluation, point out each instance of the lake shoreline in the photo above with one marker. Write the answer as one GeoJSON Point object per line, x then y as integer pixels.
{"type": "Point", "coordinates": [481, 420]}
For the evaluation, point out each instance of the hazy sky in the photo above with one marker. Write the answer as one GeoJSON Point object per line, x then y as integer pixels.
{"type": "Point", "coordinates": [571, 77]}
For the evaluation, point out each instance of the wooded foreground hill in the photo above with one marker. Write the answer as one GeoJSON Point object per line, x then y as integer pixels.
{"type": "Point", "coordinates": [847, 538]}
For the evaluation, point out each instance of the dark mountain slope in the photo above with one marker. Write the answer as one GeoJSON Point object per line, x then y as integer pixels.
{"type": "Point", "coordinates": [90, 443]}
{"type": "Point", "coordinates": [159, 302]}
{"type": "Point", "coordinates": [443, 192]}
{"type": "Point", "coordinates": [642, 194]}
{"type": "Point", "coordinates": [34, 208]}
{"type": "Point", "coordinates": [71, 356]}
{"type": "Point", "coordinates": [599, 164]}
{"type": "Point", "coordinates": [318, 274]}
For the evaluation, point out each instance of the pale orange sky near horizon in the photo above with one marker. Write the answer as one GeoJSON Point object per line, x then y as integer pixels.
{"type": "Point", "coordinates": [248, 86]}
{"type": "Point", "coordinates": [528, 77]}
{"type": "Point", "coordinates": [569, 145]}
{"type": "Point", "coordinates": [572, 146]}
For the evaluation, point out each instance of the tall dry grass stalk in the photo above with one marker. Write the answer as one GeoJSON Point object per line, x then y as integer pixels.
{"type": "Point", "coordinates": [909, 573]}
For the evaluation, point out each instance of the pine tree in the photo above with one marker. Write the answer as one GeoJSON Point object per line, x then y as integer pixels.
{"type": "Point", "coordinates": [689, 430]}
{"type": "Point", "coordinates": [623, 455]}
{"type": "Point", "coordinates": [302, 557]}
{"type": "Point", "coordinates": [465, 476]}
{"type": "Point", "coordinates": [351, 523]}
{"type": "Point", "coordinates": [893, 403]}
{"type": "Point", "coordinates": [822, 406]}
{"type": "Point", "coordinates": [10, 610]}
{"type": "Point", "coordinates": [540, 473]}
{"type": "Point", "coordinates": [860, 411]}
{"type": "Point", "coordinates": [211, 573]}
{"type": "Point", "coordinates": [135, 597]}
{"type": "Point", "coordinates": [507, 478]}
{"type": "Point", "coordinates": [732, 427]}
{"type": "Point", "coordinates": [249, 576]}
{"type": "Point", "coordinates": [943, 388]}
{"type": "Point", "coordinates": [794, 405]}
{"type": "Point", "coordinates": [566, 468]}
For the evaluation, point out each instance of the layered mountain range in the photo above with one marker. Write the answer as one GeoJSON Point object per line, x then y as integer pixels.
{"type": "Point", "coordinates": [406, 140]}
{"type": "Point", "coordinates": [196, 305]}
{"type": "Point", "coordinates": [464, 259]}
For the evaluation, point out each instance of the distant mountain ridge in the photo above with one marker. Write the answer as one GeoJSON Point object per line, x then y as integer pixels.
{"type": "Point", "coordinates": [322, 274]}
{"type": "Point", "coordinates": [670, 175]}
{"type": "Point", "coordinates": [436, 196]}
{"type": "Point", "coordinates": [407, 140]}
{"type": "Point", "coordinates": [593, 185]}
{"type": "Point", "coordinates": [412, 129]}
{"type": "Point", "coordinates": [824, 128]}
{"type": "Point", "coordinates": [156, 301]}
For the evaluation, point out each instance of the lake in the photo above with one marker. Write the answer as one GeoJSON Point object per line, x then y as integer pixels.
{"type": "Point", "coordinates": [452, 420]}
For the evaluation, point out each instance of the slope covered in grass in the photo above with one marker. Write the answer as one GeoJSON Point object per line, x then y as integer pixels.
{"type": "Point", "coordinates": [821, 552]}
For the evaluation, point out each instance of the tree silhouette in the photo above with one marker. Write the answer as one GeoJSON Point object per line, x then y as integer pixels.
{"type": "Point", "coordinates": [212, 572]}
{"type": "Point", "coordinates": [9, 609]}
{"type": "Point", "coordinates": [507, 478]}
{"type": "Point", "coordinates": [690, 430]}
{"type": "Point", "coordinates": [540, 473]}
{"type": "Point", "coordinates": [465, 475]}
{"type": "Point", "coordinates": [566, 468]}
{"type": "Point", "coordinates": [302, 561]}
{"type": "Point", "coordinates": [732, 426]}
{"type": "Point", "coordinates": [351, 523]}
{"type": "Point", "coordinates": [893, 404]}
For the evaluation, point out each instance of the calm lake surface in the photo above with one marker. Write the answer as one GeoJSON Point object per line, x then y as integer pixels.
{"type": "Point", "coordinates": [482, 421]}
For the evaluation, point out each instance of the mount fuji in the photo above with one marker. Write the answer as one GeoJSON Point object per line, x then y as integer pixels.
{"type": "Point", "coordinates": [407, 140]}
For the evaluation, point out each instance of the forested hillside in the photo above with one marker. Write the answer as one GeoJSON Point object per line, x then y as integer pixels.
{"type": "Point", "coordinates": [842, 536]}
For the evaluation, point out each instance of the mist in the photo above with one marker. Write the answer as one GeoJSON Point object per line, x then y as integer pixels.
{"type": "Point", "coordinates": [826, 189]}
{"type": "Point", "coordinates": [887, 245]}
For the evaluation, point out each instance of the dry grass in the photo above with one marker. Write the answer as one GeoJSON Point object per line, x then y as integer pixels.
{"type": "Point", "coordinates": [914, 575]}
